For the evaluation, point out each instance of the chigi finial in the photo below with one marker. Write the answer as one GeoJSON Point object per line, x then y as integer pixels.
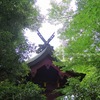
{"type": "Point", "coordinates": [46, 43]}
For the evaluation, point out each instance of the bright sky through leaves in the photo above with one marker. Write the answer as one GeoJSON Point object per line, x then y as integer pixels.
{"type": "Point", "coordinates": [47, 29]}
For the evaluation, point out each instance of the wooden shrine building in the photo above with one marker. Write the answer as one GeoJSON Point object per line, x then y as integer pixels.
{"type": "Point", "coordinates": [45, 73]}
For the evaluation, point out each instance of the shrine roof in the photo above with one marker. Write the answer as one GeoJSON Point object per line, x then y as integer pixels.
{"type": "Point", "coordinates": [47, 51]}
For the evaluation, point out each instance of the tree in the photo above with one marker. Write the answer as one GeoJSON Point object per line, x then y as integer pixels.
{"type": "Point", "coordinates": [61, 13]}
{"type": "Point", "coordinates": [82, 53]}
{"type": "Point", "coordinates": [28, 91]}
{"type": "Point", "coordinates": [15, 16]}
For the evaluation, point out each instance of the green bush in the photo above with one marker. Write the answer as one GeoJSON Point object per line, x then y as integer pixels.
{"type": "Point", "coordinates": [29, 91]}
{"type": "Point", "coordinates": [86, 90]}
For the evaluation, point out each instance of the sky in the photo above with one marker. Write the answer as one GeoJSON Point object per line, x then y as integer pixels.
{"type": "Point", "coordinates": [47, 29]}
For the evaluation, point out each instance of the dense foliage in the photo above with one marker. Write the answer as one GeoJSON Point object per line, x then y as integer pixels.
{"type": "Point", "coordinates": [82, 51]}
{"type": "Point", "coordinates": [15, 16]}
{"type": "Point", "coordinates": [29, 91]}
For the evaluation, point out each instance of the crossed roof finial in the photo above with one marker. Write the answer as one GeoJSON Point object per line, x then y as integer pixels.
{"type": "Point", "coordinates": [42, 47]}
{"type": "Point", "coordinates": [45, 42]}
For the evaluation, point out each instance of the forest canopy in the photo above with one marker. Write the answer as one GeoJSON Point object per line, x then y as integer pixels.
{"type": "Point", "coordinates": [15, 16]}
{"type": "Point", "coordinates": [81, 53]}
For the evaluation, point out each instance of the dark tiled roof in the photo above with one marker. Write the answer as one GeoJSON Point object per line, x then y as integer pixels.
{"type": "Point", "coordinates": [47, 51]}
